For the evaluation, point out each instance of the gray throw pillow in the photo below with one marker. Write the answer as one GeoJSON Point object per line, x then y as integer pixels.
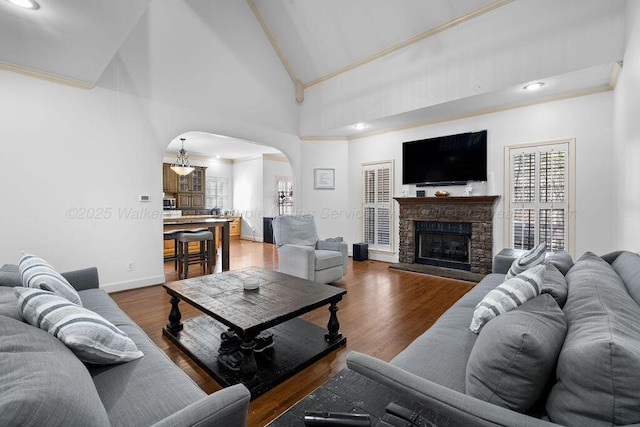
{"type": "Point", "coordinates": [598, 368]}
{"type": "Point", "coordinates": [91, 337]}
{"type": "Point", "coordinates": [530, 259]}
{"type": "Point", "coordinates": [515, 355]}
{"type": "Point", "coordinates": [561, 259]}
{"type": "Point", "coordinates": [42, 383]}
{"type": "Point", "coordinates": [38, 273]}
{"type": "Point", "coordinates": [554, 283]}
{"type": "Point", "coordinates": [507, 296]}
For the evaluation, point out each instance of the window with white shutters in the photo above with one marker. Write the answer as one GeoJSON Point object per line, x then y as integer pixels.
{"type": "Point", "coordinates": [537, 195]}
{"type": "Point", "coordinates": [377, 204]}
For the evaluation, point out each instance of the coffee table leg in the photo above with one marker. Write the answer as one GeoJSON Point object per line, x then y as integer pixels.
{"type": "Point", "coordinates": [174, 325]}
{"type": "Point", "coordinates": [333, 326]}
{"type": "Point", "coordinates": [248, 366]}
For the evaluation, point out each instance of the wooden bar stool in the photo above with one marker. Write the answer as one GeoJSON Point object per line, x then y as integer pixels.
{"type": "Point", "coordinates": [173, 235]}
{"type": "Point", "coordinates": [204, 257]}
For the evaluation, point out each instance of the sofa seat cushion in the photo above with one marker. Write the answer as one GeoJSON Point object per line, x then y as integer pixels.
{"type": "Point", "coordinates": [39, 274]}
{"type": "Point", "coordinates": [146, 390]}
{"type": "Point", "coordinates": [42, 383]}
{"type": "Point", "coordinates": [598, 368]}
{"type": "Point", "coordinates": [507, 296]}
{"type": "Point", "coordinates": [327, 259]}
{"type": "Point", "coordinates": [515, 354]}
{"type": "Point", "coordinates": [92, 338]}
{"type": "Point", "coordinates": [440, 354]}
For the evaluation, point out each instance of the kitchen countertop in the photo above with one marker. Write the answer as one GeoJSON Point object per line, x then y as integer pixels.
{"type": "Point", "coordinates": [197, 219]}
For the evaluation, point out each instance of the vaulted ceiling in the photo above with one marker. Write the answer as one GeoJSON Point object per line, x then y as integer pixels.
{"type": "Point", "coordinates": [319, 42]}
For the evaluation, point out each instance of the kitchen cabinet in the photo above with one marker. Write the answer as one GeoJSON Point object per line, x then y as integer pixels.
{"type": "Point", "coordinates": [191, 190]}
{"type": "Point", "coordinates": [169, 179]}
{"type": "Point", "coordinates": [235, 227]}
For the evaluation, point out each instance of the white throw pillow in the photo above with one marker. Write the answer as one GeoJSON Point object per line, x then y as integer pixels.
{"type": "Point", "coordinates": [92, 338]}
{"type": "Point", "coordinates": [529, 259]}
{"type": "Point", "coordinates": [507, 296]}
{"type": "Point", "coordinates": [38, 273]}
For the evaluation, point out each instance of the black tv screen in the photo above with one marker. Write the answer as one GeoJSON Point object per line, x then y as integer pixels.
{"type": "Point", "coordinates": [445, 160]}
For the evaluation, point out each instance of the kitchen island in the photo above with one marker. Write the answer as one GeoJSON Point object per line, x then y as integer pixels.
{"type": "Point", "coordinates": [218, 225]}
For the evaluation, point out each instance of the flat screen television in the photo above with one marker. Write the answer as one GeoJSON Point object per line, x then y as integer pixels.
{"type": "Point", "coordinates": [445, 160]}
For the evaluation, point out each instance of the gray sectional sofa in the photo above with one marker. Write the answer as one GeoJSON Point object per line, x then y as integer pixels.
{"type": "Point", "coordinates": [576, 348]}
{"type": "Point", "coordinates": [42, 383]}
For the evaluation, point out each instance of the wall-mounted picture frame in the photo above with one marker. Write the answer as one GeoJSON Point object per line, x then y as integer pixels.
{"type": "Point", "coordinates": [324, 179]}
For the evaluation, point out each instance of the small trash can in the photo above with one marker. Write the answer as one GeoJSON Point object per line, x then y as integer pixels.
{"type": "Point", "coordinates": [360, 251]}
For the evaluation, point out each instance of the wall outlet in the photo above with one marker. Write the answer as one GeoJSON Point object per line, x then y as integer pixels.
{"type": "Point", "coordinates": [130, 266]}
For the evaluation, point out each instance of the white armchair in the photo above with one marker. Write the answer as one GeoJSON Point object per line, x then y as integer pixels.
{"type": "Point", "coordinates": [301, 254]}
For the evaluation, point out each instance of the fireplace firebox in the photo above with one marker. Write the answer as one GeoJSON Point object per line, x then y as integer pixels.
{"type": "Point", "coordinates": [443, 244]}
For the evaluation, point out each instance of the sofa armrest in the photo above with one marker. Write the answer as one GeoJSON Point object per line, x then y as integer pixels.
{"type": "Point", "coordinates": [226, 407]}
{"type": "Point", "coordinates": [86, 278]}
{"type": "Point", "coordinates": [465, 409]}
{"type": "Point", "coordinates": [338, 246]}
{"type": "Point", "coordinates": [297, 260]}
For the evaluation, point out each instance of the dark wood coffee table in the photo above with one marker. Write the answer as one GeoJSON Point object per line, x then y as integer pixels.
{"type": "Point", "coordinates": [274, 306]}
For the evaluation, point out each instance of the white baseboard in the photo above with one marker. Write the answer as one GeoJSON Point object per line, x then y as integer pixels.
{"type": "Point", "coordinates": [133, 284]}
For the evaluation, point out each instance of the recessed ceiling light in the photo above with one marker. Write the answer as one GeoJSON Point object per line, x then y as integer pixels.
{"type": "Point", "coordinates": [360, 126]}
{"type": "Point", "coordinates": [533, 86]}
{"type": "Point", "coordinates": [27, 4]}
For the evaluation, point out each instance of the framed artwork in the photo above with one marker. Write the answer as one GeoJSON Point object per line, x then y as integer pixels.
{"type": "Point", "coordinates": [324, 179]}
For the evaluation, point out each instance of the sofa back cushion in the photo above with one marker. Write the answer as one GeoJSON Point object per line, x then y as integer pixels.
{"type": "Point", "coordinates": [516, 353]}
{"type": "Point", "coordinates": [598, 368]}
{"type": "Point", "coordinates": [41, 380]}
{"type": "Point", "coordinates": [627, 265]}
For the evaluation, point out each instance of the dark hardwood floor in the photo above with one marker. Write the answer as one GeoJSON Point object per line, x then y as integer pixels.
{"type": "Point", "coordinates": [382, 312]}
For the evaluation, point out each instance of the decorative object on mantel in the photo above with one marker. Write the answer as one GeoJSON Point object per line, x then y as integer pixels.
{"type": "Point", "coordinates": [468, 191]}
{"type": "Point", "coordinates": [324, 179]}
{"type": "Point", "coordinates": [421, 193]}
{"type": "Point", "coordinates": [441, 193]}
{"type": "Point", "coordinates": [182, 166]}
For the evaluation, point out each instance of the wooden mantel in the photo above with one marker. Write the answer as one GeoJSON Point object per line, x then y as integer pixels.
{"type": "Point", "coordinates": [446, 200]}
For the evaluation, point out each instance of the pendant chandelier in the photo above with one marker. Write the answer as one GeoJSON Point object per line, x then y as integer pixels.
{"type": "Point", "coordinates": [182, 166]}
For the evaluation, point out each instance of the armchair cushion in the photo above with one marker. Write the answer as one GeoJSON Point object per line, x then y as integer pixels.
{"type": "Point", "coordinates": [295, 230]}
{"type": "Point", "coordinates": [327, 259]}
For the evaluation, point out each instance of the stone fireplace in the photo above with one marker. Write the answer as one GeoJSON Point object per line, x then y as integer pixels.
{"type": "Point", "coordinates": [447, 233]}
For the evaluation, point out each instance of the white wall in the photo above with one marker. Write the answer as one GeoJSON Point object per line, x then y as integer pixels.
{"type": "Point", "coordinates": [248, 183]}
{"type": "Point", "coordinates": [273, 168]}
{"type": "Point", "coordinates": [330, 208]}
{"type": "Point", "coordinates": [587, 119]}
{"type": "Point", "coordinates": [77, 161]}
{"type": "Point", "coordinates": [627, 140]}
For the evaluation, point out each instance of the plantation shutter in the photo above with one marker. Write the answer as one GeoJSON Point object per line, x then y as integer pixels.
{"type": "Point", "coordinates": [539, 201]}
{"type": "Point", "coordinates": [377, 205]}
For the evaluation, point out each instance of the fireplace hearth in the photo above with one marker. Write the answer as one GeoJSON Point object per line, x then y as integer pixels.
{"type": "Point", "coordinates": [447, 236]}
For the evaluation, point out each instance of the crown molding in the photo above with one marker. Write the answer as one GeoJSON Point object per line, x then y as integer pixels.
{"type": "Point", "coordinates": [45, 75]}
{"type": "Point", "coordinates": [615, 74]}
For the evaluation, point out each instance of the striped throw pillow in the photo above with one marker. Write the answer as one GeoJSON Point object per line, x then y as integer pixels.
{"type": "Point", "coordinates": [92, 338]}
{"type": "Point", "coordinates": [38, 273]}
{"type": "Point", "coordinates": [530, 259]}
{"type": "Point", "coordinates": [507, 296]}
